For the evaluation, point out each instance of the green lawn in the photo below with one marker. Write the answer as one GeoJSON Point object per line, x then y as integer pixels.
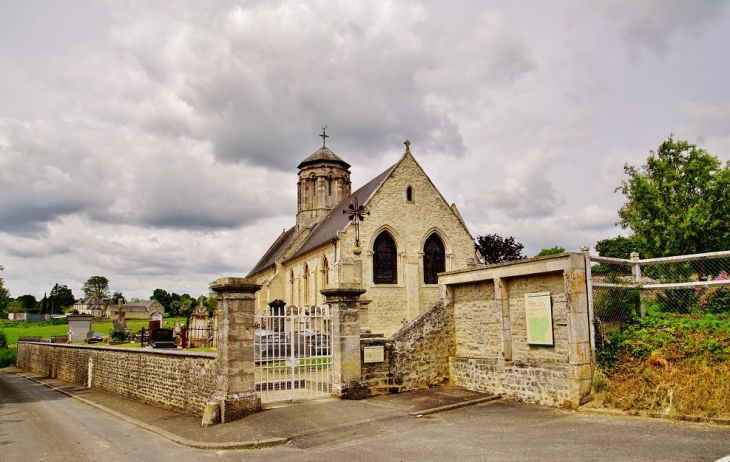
{"type": "Point", "coordinates": [47, 329]}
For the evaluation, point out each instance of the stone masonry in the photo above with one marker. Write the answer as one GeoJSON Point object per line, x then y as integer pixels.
{"type": "Point", "coordinates": [179, 381]}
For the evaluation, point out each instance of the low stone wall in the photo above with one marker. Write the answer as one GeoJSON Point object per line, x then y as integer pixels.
{"type": "Point", "coordinates": [175, 380]}
{"type": "Point", "coordinates": [417, 356]}
{"type": "Point", "coordinates": [492, 352]}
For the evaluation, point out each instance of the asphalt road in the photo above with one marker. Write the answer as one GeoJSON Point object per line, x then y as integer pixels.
{"type": "Point", "coordinates": [37, 423]}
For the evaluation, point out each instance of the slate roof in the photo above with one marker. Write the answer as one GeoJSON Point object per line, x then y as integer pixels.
{"type": "Point", "coordinates": [323, 154]}
{"type": "Point", "coordinates": [326, 230]}
{"type": "Point", "coordinates": [89, 301]}
{"type": "Point", "coordinates": [338, 221]}
{"type": "Point", "coordinates": [279, 245]}
{"type": "Point", "coordinates": [142, 305]}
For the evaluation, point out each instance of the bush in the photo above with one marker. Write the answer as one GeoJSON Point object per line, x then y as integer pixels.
{"type": "Point", "coordinates": [716, 301]}
{"type": "Point", "coordinates": [7, 357]}
{"type": "Point", "coordinates": [3, 340]}
{"type": "Point", "coordinates": [118, 335]}
{"type": "Point", "coordinates": [681, 301]}
{"type": "Point", "coordinates": [617, 304]}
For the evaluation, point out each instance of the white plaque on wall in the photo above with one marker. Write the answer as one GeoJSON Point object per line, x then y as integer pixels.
{"type": "Point", "coordinates": [539, 313]}
{"type": "Point", "coordinates": [374, 354]}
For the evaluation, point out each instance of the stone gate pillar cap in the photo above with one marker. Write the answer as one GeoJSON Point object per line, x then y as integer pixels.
{"type": "Point", "coordinates": [234, 285]}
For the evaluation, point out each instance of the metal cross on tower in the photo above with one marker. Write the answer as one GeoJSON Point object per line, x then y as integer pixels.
{"type": "Point", "coordinates": [324, 135]}
{"type": "Point", "coordinates": [356, 213]}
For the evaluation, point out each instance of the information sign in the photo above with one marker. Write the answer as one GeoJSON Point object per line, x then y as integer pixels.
{"type": "Point", "coordinates": [539, 313]}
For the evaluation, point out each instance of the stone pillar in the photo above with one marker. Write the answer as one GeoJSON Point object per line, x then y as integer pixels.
{"type": "Point", "coordinates": [501, 295]}
{"type": "Point", "coordinates": [236, 396]}
{"type": "Point", "coordinates": [344, 302]}
{"type": "Point", "coordinates": [580, 355]}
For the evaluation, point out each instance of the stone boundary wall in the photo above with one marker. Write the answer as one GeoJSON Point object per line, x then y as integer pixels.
{"type": "Point", "coordinates": [179, 381]}
{"type": "Point", "coordinates": [492, 353]}
{"type": "Point", "coordinates": [417, 356]}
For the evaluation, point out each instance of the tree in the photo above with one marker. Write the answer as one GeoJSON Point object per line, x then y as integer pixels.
{"type": "Point", "coordinates": [4, 297]}
{"type": "Point", "coordinates": [551, 251]}
{"type": "Point", "coordinates": [496, 249]}
{"type": "Point", "coordinates": [96, 286]}
{"type": "Point", "coordinates": [617, 247]}
{"type": "Point", "coordinates": [678, 202]}
{"type": "Point", "coordinates": [163, 297]}
{"type": "Point", "coordinates": [27, 302]}
{"type": "Point", "coordinates": [118, 296]}
{"type": "Point", "coordinates": [61, 298]}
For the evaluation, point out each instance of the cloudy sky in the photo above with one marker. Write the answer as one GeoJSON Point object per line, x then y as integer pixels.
{"type": "Point", "coordinates": [156, 143]}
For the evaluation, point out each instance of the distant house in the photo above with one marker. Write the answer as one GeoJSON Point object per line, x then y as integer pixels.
{"type": "Point", "coordinates": [90, 305]}
{"type": "Point", "coordinates": [141, 309]}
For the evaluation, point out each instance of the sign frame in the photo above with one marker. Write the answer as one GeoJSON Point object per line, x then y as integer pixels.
{"type": "Point", "coordinates": [539, 319]}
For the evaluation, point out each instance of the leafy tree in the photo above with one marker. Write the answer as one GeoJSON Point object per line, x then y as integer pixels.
{"type": "Point", "coordinates": [163, 297]}
{"type": "Point", "coordinates": [211, 302]}
{"type": "Point", "coordinates": [4, 297]}
{"type": "Point", "coordinates": [27, 302]}
{"type": "Point", "coordinates": [118, 296]}
{"type": "Point", "coordinates": [61, 298]}
{"type": "Point", "coordinates": [551, 251]}
{"type": "Point", "coordinates": [678, 202]}
{"type": "Point", "coordinates": [616, 247]}
{"type": "Point", "coordinates": [496, 249]}
{"type": "Point", "coordinates": [96, 286]}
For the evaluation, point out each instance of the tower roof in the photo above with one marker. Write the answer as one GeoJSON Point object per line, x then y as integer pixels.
{"type": "Point", "coordinates": [323, 154]}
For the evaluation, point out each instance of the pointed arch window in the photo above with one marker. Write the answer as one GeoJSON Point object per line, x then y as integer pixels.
{"type": "Point", "coordinates": [434, 259]}
{"type": "Point", "coordinates": [306, 285]}
{"type": "Point", "coordinates": [409, 194]}
{"type": "Point", "coordinates": [385, 266]}
{"type": "Point", "coordinates": [326, 271]}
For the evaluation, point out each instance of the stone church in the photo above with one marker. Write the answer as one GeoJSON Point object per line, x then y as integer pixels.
{"type": "Point", "coordinates": [410, 235]}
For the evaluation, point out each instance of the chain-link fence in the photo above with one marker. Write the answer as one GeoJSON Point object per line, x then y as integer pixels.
{"type": "Point", "coordinates": [623, 290]}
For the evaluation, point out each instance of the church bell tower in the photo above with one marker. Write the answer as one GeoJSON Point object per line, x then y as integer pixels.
{"type": "Point", "coordinates": [324, 181]}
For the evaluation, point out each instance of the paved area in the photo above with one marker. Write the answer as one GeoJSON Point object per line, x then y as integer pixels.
{"type": "Point", "coordinates": [409, 426]}
{"type": "Point", "coordinates": [275, 425]}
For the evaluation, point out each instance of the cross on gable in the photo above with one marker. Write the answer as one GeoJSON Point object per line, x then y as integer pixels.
{"type": "Point", "coordinates": [324, 136]}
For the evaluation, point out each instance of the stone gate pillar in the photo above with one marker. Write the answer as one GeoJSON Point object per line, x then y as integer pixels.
{"type": "Point", "coordinates": [344, 302]}
{"type": "Point", "coordinates": [236, 394]}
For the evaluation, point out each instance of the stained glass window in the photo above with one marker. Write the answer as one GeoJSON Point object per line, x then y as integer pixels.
{"type": "Point", "coordinates": [385, 266]}
{"type": "Point", "coordinates": [434, 259]}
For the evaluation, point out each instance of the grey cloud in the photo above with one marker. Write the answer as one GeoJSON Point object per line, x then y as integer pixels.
{"type": "Point", "coordinates": [653, 23]}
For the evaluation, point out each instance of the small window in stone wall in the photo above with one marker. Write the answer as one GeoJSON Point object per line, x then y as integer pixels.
{"type": "Point", "coordinates": [409, 194]}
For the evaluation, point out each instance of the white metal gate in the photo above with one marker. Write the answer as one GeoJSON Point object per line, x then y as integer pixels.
{"type": "Point", "coordinates": [293, 354]}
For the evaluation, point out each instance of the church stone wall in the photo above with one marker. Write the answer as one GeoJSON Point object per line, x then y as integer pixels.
{"type": "Point", "coordinates": [410, 223]}
{"type": "Point", "coordinates": [179, 381]}
{"type": "Point", "coordinates": [417, 356]}
{"type": "Point", "coordinates": [491, 349]}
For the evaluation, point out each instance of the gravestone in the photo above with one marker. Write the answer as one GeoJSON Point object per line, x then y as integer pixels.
{"type": "Point", "coordinates": [162, 338]}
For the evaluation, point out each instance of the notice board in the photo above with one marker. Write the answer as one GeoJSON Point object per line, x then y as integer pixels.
{"type": "Point", "coordinates": [539, 313]}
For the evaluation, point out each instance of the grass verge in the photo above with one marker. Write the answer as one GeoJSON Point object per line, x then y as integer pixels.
{"type": "Point", "coordinates": [672, 364]}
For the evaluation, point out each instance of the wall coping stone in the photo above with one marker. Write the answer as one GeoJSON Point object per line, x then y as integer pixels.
{"type": "Point", "coordinates": [194, 354]}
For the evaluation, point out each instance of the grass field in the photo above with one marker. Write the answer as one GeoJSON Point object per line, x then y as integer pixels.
{"type": "Point", "coordinates": [47, 329]}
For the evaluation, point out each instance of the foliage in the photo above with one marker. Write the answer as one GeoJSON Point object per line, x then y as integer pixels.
{"type": "Point", "coordinates": [163, 297]}
{"type": "Point", "coordinates": [118, 335]}
{"type": "Point", "coordinates": [669, 362]}
{"type": "Point", "coordinates": [3, 340]}
{"type": "Point", "coordinates": [61, 298]}
{"type": "Point", "coordinates": [118, 296]}
{"type": "Point", "coordinates": [27, 302]}
{"type": "Point", "coordinates": [617, 305]}
{"type": "Point", "coordinates": [7, 357]}
{"type": "Point", "coordinates": [551, 251]}
{"type": "Point", "coordinates": [496, 249]}
{"type": "Point", "coordinates": [716, 300]}
{"type": "Point", "coordinates": [96, 286]}
{"type": "Point", "coordinates": [4, 297]}
{"type": "Point", "coordinates": [616, 247]}
{"type": "Point", "coordinates": [678, 202]}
